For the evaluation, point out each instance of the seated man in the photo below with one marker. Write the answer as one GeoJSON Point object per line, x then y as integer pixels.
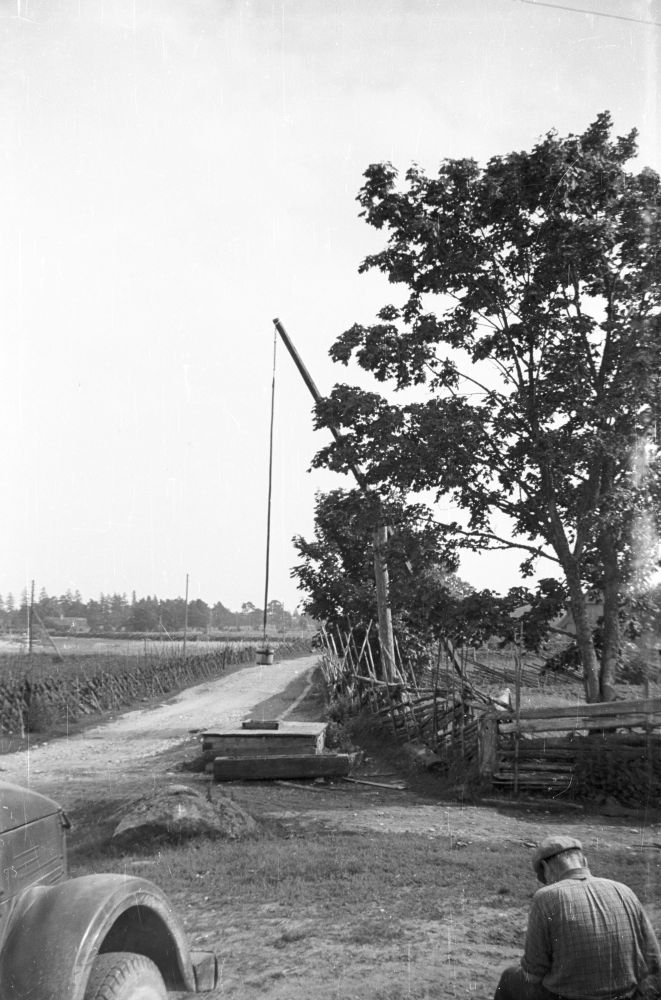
{"type": "Point", "coordinates": [587, 939]}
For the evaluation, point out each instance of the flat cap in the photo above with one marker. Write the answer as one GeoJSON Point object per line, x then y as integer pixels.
{"type": "Point", "coordinates": [549, 847]}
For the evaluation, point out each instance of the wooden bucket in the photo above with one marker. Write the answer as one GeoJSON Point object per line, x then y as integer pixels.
{"type": "Point", "coordinates": [264, 656]}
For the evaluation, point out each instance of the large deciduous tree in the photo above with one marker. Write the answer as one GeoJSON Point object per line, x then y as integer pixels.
{"type": "Point", "coordinates": [529, 334]}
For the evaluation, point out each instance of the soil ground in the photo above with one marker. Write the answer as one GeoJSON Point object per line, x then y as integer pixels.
{"type": "Point", "coordinates": [446, 933]}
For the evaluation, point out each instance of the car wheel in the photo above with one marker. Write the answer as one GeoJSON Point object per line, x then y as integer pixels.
{"type": "Point", "coordinates": [122, 975]}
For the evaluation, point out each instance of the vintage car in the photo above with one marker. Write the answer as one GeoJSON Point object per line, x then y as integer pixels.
{"type": "Point", "coordinates": [97, 937]}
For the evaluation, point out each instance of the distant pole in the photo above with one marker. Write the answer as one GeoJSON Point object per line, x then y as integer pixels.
{"type": "Point", "coordinates": [268, 504]}
{"type": "Point", "coordinates": [30, 617]}
{"type": "Point", "coordinates": [186, 617]}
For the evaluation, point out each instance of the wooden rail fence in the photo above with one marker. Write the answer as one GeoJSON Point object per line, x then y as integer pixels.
{"type": "Point", "coordinates": [580, 750]}
{"type": "Point", "coordinates": [607, 749]}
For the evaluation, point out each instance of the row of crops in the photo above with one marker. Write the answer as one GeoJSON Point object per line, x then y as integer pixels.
{"type": "Point", "coordinates": [37, 693]}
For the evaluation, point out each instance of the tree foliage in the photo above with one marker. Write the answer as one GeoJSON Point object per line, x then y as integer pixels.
{"type": "Point", "coordinates": [428, 600]}
{"type": "Point", "coordinates": [528, 341]}
{"type": "Point", "coordinates": [337, 568]}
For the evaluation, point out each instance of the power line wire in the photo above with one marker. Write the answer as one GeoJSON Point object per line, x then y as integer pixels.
{"type": "Point", "coordinates": [584, 10]}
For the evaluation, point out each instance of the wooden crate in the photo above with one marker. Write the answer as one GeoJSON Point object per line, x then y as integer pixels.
{"type": "Point", "coordinates": [283, 766]}
{"type": "Point", "coordinates": [290, 738]}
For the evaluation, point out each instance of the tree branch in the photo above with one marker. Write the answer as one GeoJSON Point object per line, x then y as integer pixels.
{"type": "Point", "coordinates": [506, 544]}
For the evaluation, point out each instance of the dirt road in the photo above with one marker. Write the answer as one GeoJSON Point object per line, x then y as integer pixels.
{"type": "Point", "coordinates": [116, 751]}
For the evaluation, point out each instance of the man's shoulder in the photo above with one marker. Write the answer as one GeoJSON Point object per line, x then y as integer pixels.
{"type": "Point", "coordinates": [584, 881]}
{"type": "Point", "coordinates": [610, 885]}
{"type": "Point", "coordinates": [607, 888]}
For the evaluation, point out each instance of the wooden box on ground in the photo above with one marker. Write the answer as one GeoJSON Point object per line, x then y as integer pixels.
{"type": "Point", "coordinates": [268, 768]}
{"type": "Point", "coordinates": [289, 739]}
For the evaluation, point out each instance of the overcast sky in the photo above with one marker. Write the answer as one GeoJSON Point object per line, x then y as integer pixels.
{"type": "Point", "coordinates": [173, 176]}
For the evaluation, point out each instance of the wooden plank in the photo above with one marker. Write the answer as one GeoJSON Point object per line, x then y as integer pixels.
{"type": "Point", "coordinates": [487, 741]}
{"type": "Point", "coordinates": [289, 738]}
{"type": "Point", "coordinates": [308, 788]}
{"type": "Point", "coordinates": [553, 766]}
{"type": "Point", "coordinates": [596, 709]}
{"type": "Point", "coordinates": [579, 722]}
{"type": "Point", "coordinates": [547, 753]}
{"type": "Point", "coordinates": [377, 784]}
{"type": "Point", "coordinates": [282, 766]}
{"type": "Point", "coordinates": [615, 743]}
{"type": "Point", "coordinates": [544, 780]}
{"type": "Point", "coordinates": [257, 745]}
{"type": "Point", "coordinates": [289, 728]}
{"type": "Point", "coordinates": [256, 724]}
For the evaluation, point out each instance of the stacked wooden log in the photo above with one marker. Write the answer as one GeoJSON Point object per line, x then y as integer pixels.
{"type": "Point", "coordinates": [536, 765]}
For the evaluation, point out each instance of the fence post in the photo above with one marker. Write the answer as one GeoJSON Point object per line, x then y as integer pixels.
{"type": "Point", "coordinates": [487, 742]}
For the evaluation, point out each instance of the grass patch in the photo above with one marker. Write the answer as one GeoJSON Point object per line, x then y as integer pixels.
{"type": "Point", "coordinates": [390, 875]}
{"type": "Point", "coordinates": [400, 873]}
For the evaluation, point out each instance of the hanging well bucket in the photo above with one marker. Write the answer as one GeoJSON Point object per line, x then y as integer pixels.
{"type": "Point", "coordinates": [264, 656]}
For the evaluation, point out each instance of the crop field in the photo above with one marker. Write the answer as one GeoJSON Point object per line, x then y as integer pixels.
{"type": "Point", "coordinates": [79, 645]}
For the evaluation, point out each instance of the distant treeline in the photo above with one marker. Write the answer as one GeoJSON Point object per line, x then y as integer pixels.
{"type": "Point", "coordinates": [113, 613]}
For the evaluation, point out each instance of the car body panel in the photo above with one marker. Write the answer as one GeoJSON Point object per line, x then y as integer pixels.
{"type": "Point", "coordinates": [52, 928]}
{"type": "Point", "coordinates": [20, 806]}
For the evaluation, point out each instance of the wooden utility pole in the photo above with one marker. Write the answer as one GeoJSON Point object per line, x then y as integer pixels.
{"type": "Point", "coordinates": [186, 617]}
{"type": "Point", "coordinates": [30, 617]}
{"type": "Point", "coordinates": [382, 580]}
{"type": "Point", "coordinates": [380, 536]}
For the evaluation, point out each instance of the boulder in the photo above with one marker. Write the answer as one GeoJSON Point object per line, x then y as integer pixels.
{"type": "Point", "coordinates": [178, 812]}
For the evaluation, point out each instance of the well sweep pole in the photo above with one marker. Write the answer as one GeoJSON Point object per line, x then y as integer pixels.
{"type": "Point", "coordinates": [386, 640]}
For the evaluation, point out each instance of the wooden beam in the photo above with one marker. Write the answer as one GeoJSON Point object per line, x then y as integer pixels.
{"type": "Point", "coordinates": [376, 784]}
{"type": "Point", "coordinates": [487, 742]}
{"type": "Point", "coordinates": [579, 722]}
{"type": "Point", "coordinates": [594, 709]}
{"type": "Point", "coordinates": [276, 766]}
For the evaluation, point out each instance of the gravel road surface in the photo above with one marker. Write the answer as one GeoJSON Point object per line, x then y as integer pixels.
{"type": "Point", "coordinates": [115, 752]}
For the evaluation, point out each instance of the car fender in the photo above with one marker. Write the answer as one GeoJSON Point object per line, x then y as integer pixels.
{"type": "Point", "coordinates": [55, 933]}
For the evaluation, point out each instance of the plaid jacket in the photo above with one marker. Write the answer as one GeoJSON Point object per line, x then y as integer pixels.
{"type": "Point", "coordinates": [589, 938]}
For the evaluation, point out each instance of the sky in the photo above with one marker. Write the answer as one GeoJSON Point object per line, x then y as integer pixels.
{"type": "Point", "coordinates": [175, 175]}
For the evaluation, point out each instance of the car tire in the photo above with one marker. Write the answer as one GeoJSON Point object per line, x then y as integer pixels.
{"type": "Point", "coordinates": [122, 975]}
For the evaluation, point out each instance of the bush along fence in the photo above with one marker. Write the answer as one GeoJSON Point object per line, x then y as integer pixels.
{"type": "Point", "coordinates": [582, 751]}
{"type": "Point", "coordinates": [36, 694]}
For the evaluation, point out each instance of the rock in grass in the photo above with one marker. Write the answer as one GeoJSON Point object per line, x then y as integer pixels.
{"type": "Point", "coordinates": [178, 812]}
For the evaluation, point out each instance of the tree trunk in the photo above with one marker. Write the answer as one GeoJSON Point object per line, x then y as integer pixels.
{"type": "Point", "coordinates": [584, 641]}
{"type": "Point", "coordinates": [610, 653]}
